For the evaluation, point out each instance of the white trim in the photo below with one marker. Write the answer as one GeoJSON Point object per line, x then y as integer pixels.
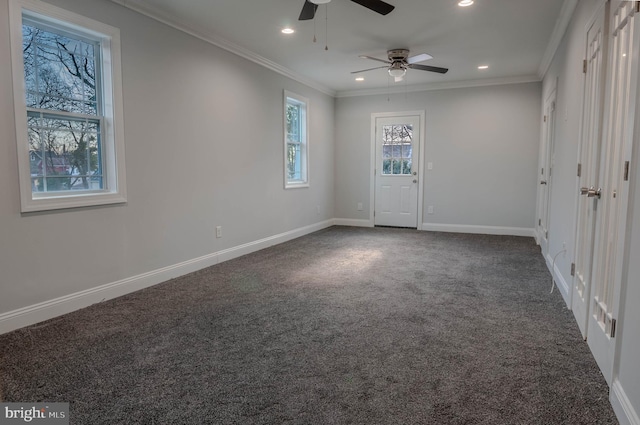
{"type": "Point", "coordinates": [482, 230]}
{"type": "Point", "coordinates": [562, 23]}
{"type": "Point", "coordinates": [113, 143]}
{"type": "Point", "coordinates": [440, 86]}
{"type": "Point", "coordinates": [352, 222]}
{"type": "Point", "coordinates": [32, 314]}
{"type": "Point", "coordinates": [559, 280]}
{"type": "Point", "coordinates": [622, 406]}
{"type": "Point", "coordinates": [209, 37]}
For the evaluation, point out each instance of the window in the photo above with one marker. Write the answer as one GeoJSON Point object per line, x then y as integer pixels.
{"type": "Point", "coordinates": [397, 149]}
{"type": "Point", "coordinates": [296, 144]}
{"type": "Point", "coordinates": [68, 108]}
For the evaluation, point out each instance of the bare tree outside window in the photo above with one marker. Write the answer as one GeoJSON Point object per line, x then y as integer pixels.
{"type": "Point", "coordinates": [63, 110]}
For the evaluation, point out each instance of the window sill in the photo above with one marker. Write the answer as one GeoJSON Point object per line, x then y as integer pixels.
{"type": "Point", "coordinates": [71, 201]}
{"type": "Point", "coordinates": [292, 185]}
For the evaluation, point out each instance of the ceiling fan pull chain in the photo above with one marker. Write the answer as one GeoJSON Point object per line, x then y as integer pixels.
{"type": "Point", "coordinates": [326, 27]}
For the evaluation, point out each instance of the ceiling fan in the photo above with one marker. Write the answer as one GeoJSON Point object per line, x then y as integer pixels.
{"type": "Point", "coordinates": [310, 7]}
{"type": "Point", "coordinates": [399, 61]}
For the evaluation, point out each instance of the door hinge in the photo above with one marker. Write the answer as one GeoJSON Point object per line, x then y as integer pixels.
{"type": "Point", "coordinates": [546, 234]}
{"type": "Point", "coordinates": [584, 66]}
{"type": "Point", "coordinates": [612, 332]}
{"type": "Point", "coordinates": [544, 119]}
{"type": "Point", "coordinates": [542, 171]}
{"type": "Point", "coordinates": [579, 170]}
{"type": "Point", "coordinates": [573, 269]}
{"type": "Point", "coordinates": [626, 171]}
{"type": "Point", "coordinates": [539, 222]}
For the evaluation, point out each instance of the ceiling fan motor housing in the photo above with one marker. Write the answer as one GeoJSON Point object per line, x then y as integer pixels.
{"type": "Point", "coordinates": [398, 55]}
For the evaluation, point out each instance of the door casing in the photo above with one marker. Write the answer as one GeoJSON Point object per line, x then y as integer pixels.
{"type": "Point", "coordinates": [422, 156]}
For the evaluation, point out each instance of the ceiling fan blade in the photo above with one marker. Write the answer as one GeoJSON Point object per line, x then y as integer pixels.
{"type": "Point", "coordinates": [374, 59]}
{"type": "Point", "coordinates": [376, 5]}
{"type": "Point", "coordinates": [419, 58]}
{"type": "Point", "coordinates": [370, 69]}
{"type": "Point", "coordinates": [308, 11]}
{"type": "Point", "coordinates": [428, 68]}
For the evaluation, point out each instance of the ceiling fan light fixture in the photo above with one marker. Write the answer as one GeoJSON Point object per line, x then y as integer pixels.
{"type": "Point", "coordinates": [465, 3]}
{"type": "Point", "coordinates": [396, 70]}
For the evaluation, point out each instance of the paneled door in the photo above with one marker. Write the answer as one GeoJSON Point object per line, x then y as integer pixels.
{"type": "Point", "coordinates": [397, 153]}
{"type": "Point", "coordinates": [589, 161]}
{"type": "Point", "coordinates": [613, 187]}
{"type": "Point", "coordinates": [546, 171]}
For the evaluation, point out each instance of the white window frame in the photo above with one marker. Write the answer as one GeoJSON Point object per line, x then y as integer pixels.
{"type": "Point", "coordinates": [290, 97]}
{"type": "Point", "coordinates": [114, 190]}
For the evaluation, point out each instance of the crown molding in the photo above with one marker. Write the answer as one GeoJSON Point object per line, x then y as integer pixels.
{"type": "Point", "coordinates": [562, 23]}
{"type": "Point", "coordinates": [143, 8]}
{"type": "Point", "coordinates": [441, 86]}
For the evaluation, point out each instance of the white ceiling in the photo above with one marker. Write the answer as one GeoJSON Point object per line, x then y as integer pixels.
{"type": "Point", "coordinates": [510, 36]}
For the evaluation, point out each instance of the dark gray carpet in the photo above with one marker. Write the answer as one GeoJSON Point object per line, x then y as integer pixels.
{"type": "Point", "coordinates": [343, 326]}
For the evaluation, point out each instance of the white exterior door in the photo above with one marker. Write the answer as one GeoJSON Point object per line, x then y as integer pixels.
{"type": "Point", "coordinates": [589, 162]}
{"type": "Point", "coordinates": [613, 188]}
{"type": "Point", "coordinates": [546, 171]}
{"type": "Point", "coordinates": [397, 156]}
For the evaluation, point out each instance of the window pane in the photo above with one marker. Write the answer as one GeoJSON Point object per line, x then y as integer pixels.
{"type": "Point", "coordinates": [406, 151]}
{"type": "Point", "coordinates": [386, 166]}
{"type": "Point", "coordinates": [293, 122]}
{"type": "Point", "coordinates": [65, 152]}
{"type": "Point", "coordinates": [386, 151]}
{"type": "Point", "coordinates": [293, 162]}
{"type": "Point", "coordinates": [406, 166]}
{"type": "Point", "coordinates": [60, 72]}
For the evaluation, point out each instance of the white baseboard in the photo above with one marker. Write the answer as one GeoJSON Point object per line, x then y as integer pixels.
{"type": "Point", "coordinates": [32, 314]}
{"type": "Point", "coordinates": [352, 222]}
{"type": "Point", "coordinates": [622, 406]}
{"type": "Point", "coordinates": [483, 230]}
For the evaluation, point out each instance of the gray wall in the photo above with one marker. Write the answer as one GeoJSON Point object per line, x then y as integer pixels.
{"type": "Point", "coordinates": [566, 72]}
{"type": "Point", "coordinates": [482, 141]}
{"type": "Point", "coordinates": [204, 147]}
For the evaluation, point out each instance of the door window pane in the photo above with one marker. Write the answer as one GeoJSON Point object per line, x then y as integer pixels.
{"type": "Point", "coordinates": [397, 149]}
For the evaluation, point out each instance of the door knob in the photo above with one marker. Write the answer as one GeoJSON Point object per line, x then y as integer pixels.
{"type": "Point", "coordinates": [543, 182]}
{"type": "Point", "coordinates": [593, 193]}
{"type": "Point", "coordinates": [415, 181]}
{"type": "Point", "coordinates": [415, 173]}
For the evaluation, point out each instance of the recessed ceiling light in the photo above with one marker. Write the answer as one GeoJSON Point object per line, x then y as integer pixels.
{"type": "Point", "coordinates": [288, 30]}
{"type": "Point", "coordinates": [465, 3]}
{"type": "Point", "coordinates": [359, 78]}
{"type": "Point", "coordinates": [483, 67]}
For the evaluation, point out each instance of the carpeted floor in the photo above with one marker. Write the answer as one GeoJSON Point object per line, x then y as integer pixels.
{"type": "Point", "coordinates": [343, 326]}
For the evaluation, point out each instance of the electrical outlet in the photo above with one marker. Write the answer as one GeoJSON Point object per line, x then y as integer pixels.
{"type": "Point", "coordinates": [359, 206]}
{"type": "Point", "coordinates": [218, 231]}
{"type": "Point", "coordinates": [430, 209]}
